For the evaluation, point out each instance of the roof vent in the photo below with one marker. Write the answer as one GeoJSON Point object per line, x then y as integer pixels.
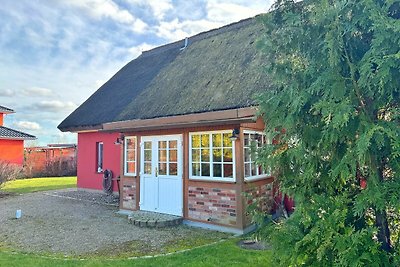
{"type": "Point", "coordinates": [186, 44]}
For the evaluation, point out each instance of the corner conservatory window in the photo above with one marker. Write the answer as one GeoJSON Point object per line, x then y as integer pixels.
{"type": "Point", "coordinates": [130, 156]}
{"type": "Point", "coordinates": [212, 156]}
{"type": "Point", "coordinates": [253, 141]}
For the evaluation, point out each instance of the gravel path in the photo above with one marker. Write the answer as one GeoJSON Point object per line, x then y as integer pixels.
{"type": "Point", "coordinates": [75, 227]}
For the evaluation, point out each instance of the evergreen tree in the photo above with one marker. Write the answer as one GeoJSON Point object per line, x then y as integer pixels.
{"type": "Point", "coordinates": [334, 107]}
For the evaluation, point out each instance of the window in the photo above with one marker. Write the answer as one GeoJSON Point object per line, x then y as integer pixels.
{"type": "Point", "coordinates": [252, 142]}
{"type": "Point", "coordinates": [99, 148]}
{"type": "Point", "coordinates": [130, 156]}
{"type": "Point", "coordinates": [212, 156]}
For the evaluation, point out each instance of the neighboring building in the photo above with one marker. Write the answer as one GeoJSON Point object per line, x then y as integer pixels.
{"type": "Point", "coordinates": [50, 160]}
{"type": "Point", "coordinates": [11, 141]}
{"type": "Point", "coordinates": [177, 124]}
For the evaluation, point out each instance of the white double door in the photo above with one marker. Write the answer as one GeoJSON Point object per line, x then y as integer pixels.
{"type": "Point", "coordinates": [161, 188]}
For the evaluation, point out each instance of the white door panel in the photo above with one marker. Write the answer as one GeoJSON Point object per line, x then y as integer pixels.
{"type": "Point", "coordinates": [161, 187]}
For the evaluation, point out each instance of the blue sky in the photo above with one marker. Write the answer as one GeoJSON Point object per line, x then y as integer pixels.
{"type": "Point", "coordinates": [55, 54]}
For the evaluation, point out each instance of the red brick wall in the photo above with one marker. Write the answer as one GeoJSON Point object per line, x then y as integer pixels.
{"type": "Point", "coordinates": [263, 194]}
{"type": "Point", "coordinates": [128, 200]}
{"type": "Point", "coordinates": [212, 204]}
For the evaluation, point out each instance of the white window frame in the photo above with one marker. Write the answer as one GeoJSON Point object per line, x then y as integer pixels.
{"type": "Point", "coordinates": [126, 173]}
{"type": "Point", "coordinates": [259, 176]}
{"type": "Point", "coordinates": [211, 178]}
{"type": "Point", "coordinates": [99, 155]}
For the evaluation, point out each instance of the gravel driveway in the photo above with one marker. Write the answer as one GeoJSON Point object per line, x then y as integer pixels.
{"type": "Point", "coordinates": [75, 227]}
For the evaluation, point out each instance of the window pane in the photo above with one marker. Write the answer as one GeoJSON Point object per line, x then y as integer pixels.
{"type": "Point", "coordinates": [196, 155]}
{"type": "Point", "coordinates": [217, 170]}
{"type": "Point", "coordinates": [147, 167]}
{"type": "Point", "coordinates": [147, 155]}
{"type": "Point", "coordinates": [196, 169]}
{"type": "Point", "coordinates": [130, 155]}
{"type": "Point", "coordinates": [228, 170]}
{"type": "Point", "coordinates": [162, 144]}
{"type": "Point", "coordinates": [227, 141]}
{"type": "Point", "coordinates": [162, 155]}
{"type": "Point", "coordinates": [217, 155]}
{"type": "Point", "coordinates": [147, 145]}
{"type": "Point", "coordinates": [173, 144]}
{"type": "Point", "coordinates": [260, 170]}
{"type": "Point", "coordinates": [205, 140]}
{"type": "Point", "coordinates": [247, 170]}
{"type": "Point", "coordinates": [162, 168]}
{"type": "Point", "coordinates": [205, 155]}
{"type": "Point", "coordinates": [130, 167]}
{"type": "Point", "coordinates": [173, 155]}
{"type": "Point", "coordinates": [247, 154]}
{"type": "Point", "coordinates": [173, 169]}
{"type": "Point", "coordinates": [205, 169]}
{"type": "Point", "coordinates": [195, 140]}
{"type": "Point", "coordinates": [130, 143]}
{"type": "Point", "coordinates": [246, 140]}
{"type": "Point", "coordinates": [253, 170]}
{"type": "Point", "coordinates": [217, 140]}
{"type": "Point", "coordinates": [227, 154]}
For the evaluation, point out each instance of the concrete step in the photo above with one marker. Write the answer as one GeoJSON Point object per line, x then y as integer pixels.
{"type": "Point", "coordinates": [153, 219]}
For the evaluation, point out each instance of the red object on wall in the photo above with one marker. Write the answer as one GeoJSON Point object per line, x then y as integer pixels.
{"type": "Point", "coordinates": [12, 151]}
{"type": "Point", "coordinates": [88, 177]}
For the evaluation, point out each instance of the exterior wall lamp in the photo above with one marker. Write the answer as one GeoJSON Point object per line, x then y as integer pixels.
{"type": "Point", "coordinates": [120, 140]}
{"type": "Point", "coordinates": [235, 135]}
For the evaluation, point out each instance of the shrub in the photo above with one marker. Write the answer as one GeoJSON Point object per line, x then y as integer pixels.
{"type": "Point", "coordinates": [9, 171]}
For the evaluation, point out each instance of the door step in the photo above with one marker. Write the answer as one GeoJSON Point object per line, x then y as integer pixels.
{"type": "Point", "coordinates": [153, 219]}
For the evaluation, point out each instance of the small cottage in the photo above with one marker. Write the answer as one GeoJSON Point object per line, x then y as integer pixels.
{"type": "Point", "coordinates": [178, 125]}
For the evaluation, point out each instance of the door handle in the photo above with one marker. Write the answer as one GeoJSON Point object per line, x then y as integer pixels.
{"type": "Point", "coordinates": [156, 172]}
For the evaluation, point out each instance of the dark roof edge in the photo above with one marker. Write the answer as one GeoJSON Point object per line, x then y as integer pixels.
{"type": "Point", "coordinates": [24, 136]}
{"type": "Point", "coordinates": [84, 128]}
{"type": "Point", "coordinates": [6, 110]}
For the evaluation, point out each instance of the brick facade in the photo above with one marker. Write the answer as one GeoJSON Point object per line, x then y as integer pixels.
{"type": "Point", "coordinates": [212, 204]}
{"type": "Point", "coordinates": [128, 194]}
{"type": "Point", "coordinates": [263, 194]}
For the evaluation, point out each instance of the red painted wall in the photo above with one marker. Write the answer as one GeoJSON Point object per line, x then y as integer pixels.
{"type": "Point", "coordinates": [12, 151]}
{"type": "Point", "coordinates": [1, 119]}
{"type": "Point", "coordinates": [88, 177]}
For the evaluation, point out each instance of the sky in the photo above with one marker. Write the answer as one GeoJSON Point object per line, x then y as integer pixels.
{"type": "Point", "coordinates": [54, 54]}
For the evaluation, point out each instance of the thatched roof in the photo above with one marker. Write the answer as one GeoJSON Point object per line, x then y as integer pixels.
{"type": "Point", "coordinates": [219, 70]}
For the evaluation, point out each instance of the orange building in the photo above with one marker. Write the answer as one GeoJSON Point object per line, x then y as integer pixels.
{"type": "Point", "coordinates": [11, 141]}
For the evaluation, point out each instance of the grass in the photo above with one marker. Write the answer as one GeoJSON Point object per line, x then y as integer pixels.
{"type": "Point", "coordinates": [39, 184]}
{"type": "Point", "coordinates": [226, 253]}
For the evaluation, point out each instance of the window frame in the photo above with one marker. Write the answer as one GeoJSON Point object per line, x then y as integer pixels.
{"type": "Point", "coordinates": [212, 178]}
{"type": "Point", "coordinates": [126, 173]}
{"type": "Point", "coordinates": [99, 155]}
{"type": "Point", "coordinates": [258, 176]}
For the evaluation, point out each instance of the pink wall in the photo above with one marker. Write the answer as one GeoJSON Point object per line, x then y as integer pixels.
{"type": "Point", "coordinates": [87, 172]}
{"type": "Point", "coordinates": [12, 151]}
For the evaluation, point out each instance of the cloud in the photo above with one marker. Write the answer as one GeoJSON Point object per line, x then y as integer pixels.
{"type": "Point", "coordinates": [159, 8]}
{"type": "Point", "coordinates": [37, 92]}
{"type": "Point", "coordinates": [27, 125]}
{"type": "Point", "coordinates": [54, 105]}
{"type": "Point", "coordinates": [7, 93]}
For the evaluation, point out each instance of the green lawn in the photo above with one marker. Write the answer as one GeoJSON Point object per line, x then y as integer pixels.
{"type": "Point", "coordinates": [39, 184]}
{"type": "Point", "coordinates": [226, 253]}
